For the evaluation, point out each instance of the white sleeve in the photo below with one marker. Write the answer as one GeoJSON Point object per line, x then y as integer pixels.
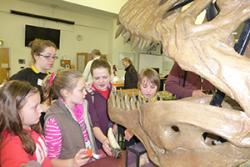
{"type": "Point", "coordinates": [86, 71]}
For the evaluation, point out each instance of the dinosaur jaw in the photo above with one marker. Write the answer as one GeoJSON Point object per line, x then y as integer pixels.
{"type": "Point", "coordinates": [174, 131]}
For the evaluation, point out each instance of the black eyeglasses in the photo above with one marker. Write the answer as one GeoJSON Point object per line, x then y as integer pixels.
{"type": "Point", "coordinates": [49, 57]}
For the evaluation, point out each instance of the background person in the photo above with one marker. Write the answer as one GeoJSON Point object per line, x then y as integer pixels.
{"type": "Point", "coordinates": [131, 75]}
{"type": "Point", "coordinates": [185, 83]}
{"type": "Point", "coordinates": [43, 54]}
{"type": "Point", "coordinates": [149, 85]}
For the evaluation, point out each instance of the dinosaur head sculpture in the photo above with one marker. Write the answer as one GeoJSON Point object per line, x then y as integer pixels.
{"type": "Point", "coordinates": [184, 132]}
{"type": "Point", "coordinates": [201, 48]}
{"type": "Point", "coordinates": [187, 133]}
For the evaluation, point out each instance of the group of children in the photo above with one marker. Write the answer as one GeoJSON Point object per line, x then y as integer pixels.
{"type": "Point", "coordinates": [75, 123]}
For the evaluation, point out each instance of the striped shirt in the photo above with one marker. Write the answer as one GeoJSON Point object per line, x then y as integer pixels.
{"type": "Point", "coordinates": [53, 136]}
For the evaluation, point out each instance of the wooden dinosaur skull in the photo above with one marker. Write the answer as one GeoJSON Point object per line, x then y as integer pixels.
{"type": "Point", "coordinates": [186, 133]}
{"type": "Point", "coordinates": [176, 133]}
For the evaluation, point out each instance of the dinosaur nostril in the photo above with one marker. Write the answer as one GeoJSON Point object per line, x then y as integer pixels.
{"type": "Point", "coordinates": [175, 128]}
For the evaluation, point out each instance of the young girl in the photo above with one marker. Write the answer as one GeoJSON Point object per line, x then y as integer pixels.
{"type": "Point", "coordinates": [101, 88]}
{"type": "Point", "coordinates": [148, 84]}
{"type": "Point", "coordinates": [68, 132]}
{"type": "Point", "coordinates": [20, 132]}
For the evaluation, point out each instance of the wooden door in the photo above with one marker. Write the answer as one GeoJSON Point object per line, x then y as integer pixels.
{"type": "Point", "coordinates": [82, 59]}
{"type": "Point", "coordinates": [4, 64]}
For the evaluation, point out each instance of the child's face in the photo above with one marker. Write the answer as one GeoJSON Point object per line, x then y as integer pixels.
{"type": "Point", "coordinates": [147, 88]}
{"type": "Point", "coordinates": [31, 111]}
{"type": "Point", "coordinates": [101, 78]}
{"type": "Point", "coordinates": [77, 95]}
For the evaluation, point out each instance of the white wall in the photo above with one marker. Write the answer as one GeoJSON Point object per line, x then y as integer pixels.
{"type": "Point", "coordinates": [96, 29]}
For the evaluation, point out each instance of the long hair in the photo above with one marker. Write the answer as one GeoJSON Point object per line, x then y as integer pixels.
{"type": "Point", "coordinates": [65, 79]}
{"type": "Point", "coordinates": [13, 96]}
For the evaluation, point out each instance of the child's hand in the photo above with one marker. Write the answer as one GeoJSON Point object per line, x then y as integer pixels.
{"type": "Point", "coordinates": [81, 157]}
{"type": "Point", "coordinates": [115, 129]}
{"type": "Point", "coordinates": [106, 147]}
{"type": "Point", "coordinates": [127, 135]}
{"type": "Point", "coordinates": [88, 86]}
{"type": "Point", "coordinates": [198, 93]}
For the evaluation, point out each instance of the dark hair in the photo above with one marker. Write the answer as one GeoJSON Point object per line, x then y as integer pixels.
{"type": "Point", "coordinates": [151, 75]}
{"type": "Point", "coordinates": [103, 57]}
{"type": "Point", "coordinates": [96, 52]}
{"type": "Point", "coordinates": [65, 79]}
{"type": "Point", "coordinates": [12, 98]}
{"type": "Point", "coordinates": [39, 45]}
{"type": "Point", "coordinates": [100, 63]}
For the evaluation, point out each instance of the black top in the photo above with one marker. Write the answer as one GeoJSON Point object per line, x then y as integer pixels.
{"type": "Point", "coordinates": [33, 77]}
{"type": "Point", "coordinates": [131, 77]}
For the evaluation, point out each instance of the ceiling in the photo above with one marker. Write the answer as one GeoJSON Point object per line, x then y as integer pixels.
{"type": "Point", "coordinates": [112, 6]}
{"type": "Point", "coordinates": [107, 7]}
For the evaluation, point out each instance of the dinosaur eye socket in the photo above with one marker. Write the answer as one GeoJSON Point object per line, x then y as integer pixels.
{"type": "Point", "coordinates": [175, 6]}
{"type": "Point", "coordinates": [175, 128]}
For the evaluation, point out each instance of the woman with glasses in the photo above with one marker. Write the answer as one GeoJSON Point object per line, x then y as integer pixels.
{"type": "Point", "coordinates": [43, 54]}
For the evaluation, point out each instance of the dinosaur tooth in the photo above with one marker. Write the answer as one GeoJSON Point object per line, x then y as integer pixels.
{"type": "Point", "coordinates": [127, 102]}
{"type": "Point", "coordinates": [140, 43]}
{"type": "Point", "coordinates": [143, 44]}
{"type": "Point", "coordinates": [132, 38]}
{"type": "Point", "coordinates": [117, 99]}
{"type": "Point", "coordinates": [147, 44]}
{"type": "Point", "coordinates": [122, 101]}
{"type": "Point", "coordinates": [133, 103]}
{"type": "Point", "coordinates": [112, 99]}
{"type": "Point", "coordinates": [126, 36]}
{"type": "Point", "coordinates": [119, 31]}
{"type": "Point", "coordinates": [135, 42]}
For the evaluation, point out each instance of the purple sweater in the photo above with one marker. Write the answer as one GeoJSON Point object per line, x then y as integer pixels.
{"type": "Point", "coordinates": [98, 112]}
{"type": "Point", "coordinates": [175, 79]}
